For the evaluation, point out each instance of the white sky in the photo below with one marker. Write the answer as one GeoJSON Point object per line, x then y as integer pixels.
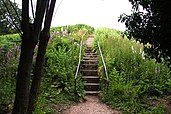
{"type": "Point", "coordinates": [97, 13]}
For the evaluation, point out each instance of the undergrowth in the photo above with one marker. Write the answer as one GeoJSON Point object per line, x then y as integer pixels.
{"type": "Point", "coordinates": [57, 86]}
{"type": "Point", "coordinates": [136, 83]}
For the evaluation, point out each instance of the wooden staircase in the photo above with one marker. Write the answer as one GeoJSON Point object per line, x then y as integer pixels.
{"type": "Point", "coordinates": [89, 70]}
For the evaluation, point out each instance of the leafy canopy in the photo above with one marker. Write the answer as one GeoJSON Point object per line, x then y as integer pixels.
{"type": "Point", "coordinates": [9, 20]}
{"type": "Point", "coordinates": [152, 25]}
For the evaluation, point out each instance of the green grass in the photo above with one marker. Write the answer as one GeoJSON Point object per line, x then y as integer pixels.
{"type": "Point", "coordinates": [134, 79]}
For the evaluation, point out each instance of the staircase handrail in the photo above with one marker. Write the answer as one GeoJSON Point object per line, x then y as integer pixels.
{"type": "Point", "coordinates": [79, 59]}
{"type": "Point", "coordinates": [104, 65]}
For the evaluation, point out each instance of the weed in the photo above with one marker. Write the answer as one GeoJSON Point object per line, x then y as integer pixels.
{"type": "Point", "coordinates": [133, 78]}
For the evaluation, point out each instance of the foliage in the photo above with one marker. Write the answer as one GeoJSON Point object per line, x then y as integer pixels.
{"type": "Point", "coordinates": [60, 65]}
{"type": "Point", "coordinates": [134, 80]}
{"type": "Point", "coordinates": [54, 103]}
{"type": "Point", "coordinates": [7, 25]}
{"type": "Point", "coordinates": [61, 59]}
{"type": "Point", "coordinates": [9, 41]}
{"type": "Point", "coordinates": [9, 58]}
{"type": "Point", "coordinates": [150, 25]}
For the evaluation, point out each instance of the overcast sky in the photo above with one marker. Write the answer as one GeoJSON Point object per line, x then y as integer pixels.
{"type": "Point", "coordinates": [97, 13]}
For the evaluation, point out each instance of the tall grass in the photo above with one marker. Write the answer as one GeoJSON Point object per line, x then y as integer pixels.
{"type": "Point", "coordinates": [133, 78]}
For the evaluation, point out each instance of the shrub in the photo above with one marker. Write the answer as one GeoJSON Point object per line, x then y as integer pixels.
{"type": "Point", "coordinates": [9, 58]}
{"type": "Point", "coordinates": [61, 60]}
{"type": "Point", "coordinates": [133, 77]}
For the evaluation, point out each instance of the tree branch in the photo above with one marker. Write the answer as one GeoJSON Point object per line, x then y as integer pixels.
{"type": "Point", "coordinates": [15, 10]}
{"type": "Point", "coordinates": [32, 9]}
{"type": "Point", "coordinates": [12, 25]}
{"type": "Point", "coordinates": [19, 30]}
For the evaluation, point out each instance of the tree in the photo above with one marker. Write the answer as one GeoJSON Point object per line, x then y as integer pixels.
{"type": "Point", "coordinates": [152, 25]}
{"type": "Point", "coordinates": [9, 20]}
{"type": "Point", "coordinates": [38, 70]}
{"type": "Point", "coordinates": [32, 35]}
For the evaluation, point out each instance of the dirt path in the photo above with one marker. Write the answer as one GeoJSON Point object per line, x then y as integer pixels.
{"type": "Point", "coordinates": [92, 105]}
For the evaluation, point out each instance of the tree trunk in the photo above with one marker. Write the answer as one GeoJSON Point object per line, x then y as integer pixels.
{"type": "Point", "coordinates": [30, 38]}
{"type": "Point", "coordinates": [25, 64]}
{"type": "Point", "coordinates": [38, 71]}
{"type": "Point", "coordinates": [23, 77]}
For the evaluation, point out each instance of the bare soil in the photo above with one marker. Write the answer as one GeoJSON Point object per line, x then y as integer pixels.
{"type": "Point", "coordinates": [92, 105]}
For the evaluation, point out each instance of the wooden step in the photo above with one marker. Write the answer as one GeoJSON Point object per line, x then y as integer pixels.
{"type": "Point", "coordinates": [90, 62]}
{"type": "Point", "coordinates": [93, 56]}
{"type": "Point", "coordinates": [92, 92]}
{"type": "Point", "coordinates": [88, 51]}
{"type": "Point", "coordinates": [91, 79]}
{"type": "Point", "coordinates": [90, 58]}
{"type": "Point", "coordinates": [87, 72]}
{"type": "Point", "coordinates": [88, 54]}
{"type": "Point", "coordinates": [88, 48]}
{"type": "Point", "coordinates": [89, 66]}
{"type": "Point", "coordinates": [91, 86]}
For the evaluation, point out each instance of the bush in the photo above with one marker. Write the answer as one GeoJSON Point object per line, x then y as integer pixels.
{"type": "Point", "coordinates": [61, 61]}
{"type": "Point", "coordinates": [60, 65]}
{"type": "Point", "coordinates": [133, 78]}
{"type": "Point", "coordinates": [9, 58]}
